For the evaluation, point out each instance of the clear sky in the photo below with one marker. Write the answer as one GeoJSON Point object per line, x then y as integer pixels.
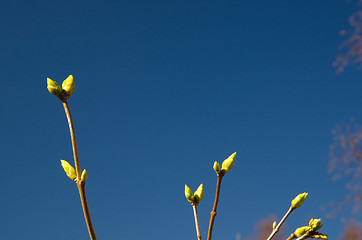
{"type": "Point", "coordinates": [164, 89]}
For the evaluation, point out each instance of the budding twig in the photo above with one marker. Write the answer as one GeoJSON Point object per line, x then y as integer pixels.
{"type": "Point", "coordinates": [68, 88]}
{"type": "Point", "coordinates": [276, 229]}
{"type": "Point", "coordinates": [78, 181]}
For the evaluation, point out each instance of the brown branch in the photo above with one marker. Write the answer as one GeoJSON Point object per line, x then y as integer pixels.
{"type": "Point", "coordinates": [196, 222]}
{"type": "Point", "coordinates": [72, 136]}
{"type": "Point", "coordinates": [87, 217]}
{"type": "Point", "coordinates": [78, 181]}
{"type": "Point", "coordinates": [213, 212]}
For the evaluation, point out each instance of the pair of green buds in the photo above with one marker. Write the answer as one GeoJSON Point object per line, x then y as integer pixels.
{"type": "Point", "coordinates": [194, 198]}
{"type": "Point", "coordinates": [71, 173]}
{"type": "Point", "coordinates": [68, 87]}
{"type": "Point", "coordinates": [312, 228]}
{"type": "Point", "coordinates": [226, 165]}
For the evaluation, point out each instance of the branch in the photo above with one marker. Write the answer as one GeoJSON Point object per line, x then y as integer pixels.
{"type": "Point", "coordinates": [78, 181]}
{"type": "Point", "coordinates": [213, 212]}
{"type": "Point", "coordinates": [194, 206]}
{"type": "Point", "coordinates": [276, 229]}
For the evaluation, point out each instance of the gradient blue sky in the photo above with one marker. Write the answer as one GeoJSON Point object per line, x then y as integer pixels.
{"type": "Point", "coordinates": [164, 89]}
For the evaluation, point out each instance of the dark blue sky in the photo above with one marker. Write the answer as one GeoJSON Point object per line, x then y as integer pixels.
{"type": "Point", "coordinates": [164, 89]}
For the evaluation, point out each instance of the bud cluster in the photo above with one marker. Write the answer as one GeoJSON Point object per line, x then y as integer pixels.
{"type": "Point", "coordinates": [68, 87]}
{"type": "Point", "coordinates": [226, 166]}
{"type": "Point", "coordinates": [194, 198]}
{"type": "Point", "coordinates": [315, 224]}
{"type": "Point", "coordinates": [310, 231]}
{"type": "Point", "coordinates": [71, 173]}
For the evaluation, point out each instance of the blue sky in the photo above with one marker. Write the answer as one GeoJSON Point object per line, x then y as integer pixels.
{"type": "Point", "coordinates": [164, 89]}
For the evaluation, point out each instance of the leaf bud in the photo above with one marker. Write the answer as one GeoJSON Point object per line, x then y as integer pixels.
{"type": "Point", "coordinates": [216, 167]}
{"type": "Point", "coordinates": [198, 195]}
{"type": "Point", "coordinates": [68, 169]}
{"type": "Point", "coordinates": [320, 236]}
{"type": "Point", "coordinates": [228, 163]}
{"type": "Point", "coordinates": [84, 176]}
{"type": "Point", "coordinates": [315, 224]}
{"type": "Point", "coordinates": [301, 231]}
{"type": "Point", "coordinates": [298, 200]}
{"type": "Point", "coordinates": [68, 85]}
{"type": "Point", "coordinates": [54, 88]}
{"type": "Point", "coordinates": [188, 194]}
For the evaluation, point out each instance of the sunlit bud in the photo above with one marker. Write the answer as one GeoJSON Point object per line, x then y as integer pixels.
{"type": "Point", "coordinates": [320, 236]}
{"type": "Point", "coordinates": [228, 163]}
{"type": "Point", "coordinates": [84, 175]}
{"type": "Point", "coordinates": [315, 224]}
{"type": "Point", "coordinates": [54, 88]}
{"type": "Point", "coordinates": [311, 221]}
{"type": "Point", "coordinates": [198, 195]}
{"type": "Point", "coordinates": [298, 200]}
{"type": "Point", "coordinates": [274, 225]}
{"type": "Point", "coordinates": [68, 169]}
{"type": "Point", "coordinates": [216, 167]}
{"type": "Point", "coordinates": [301, 231]}
{"type": "Point", "coordinates": [188, 194]}
{"type": "Point", "coordinates": [68, 85]}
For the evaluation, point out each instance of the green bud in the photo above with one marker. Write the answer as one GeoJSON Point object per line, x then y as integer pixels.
{"type": "Point", "coordinates": [54, 88]}
{"type": "Point", "coordinates": [68, 85]}
{"type": "Point", "coordinates": [198, 195]}
{"type": "Point", "coordinates": [315, 224]}
{"type": "Point", "coordinates": [301, 231]}
{"type": "Point", "coordinates": [274, 224]}
{"type": "Point", "coordinates": [84, 176]}
{"type": "Point", "coordinates": [68, 169]}
{"type": "Point", "coordinates": [298, 200]}
{"type": "Point", "coordinates": [320, 236]}
{"type": "Point", "coordinates": [188, 194]}
{"type": "Point", "coordinates": [216, 167]}
{"type": "Point", "coordinates": [228, 163]}
{"type": "Point", "coordinates": [311, 221]}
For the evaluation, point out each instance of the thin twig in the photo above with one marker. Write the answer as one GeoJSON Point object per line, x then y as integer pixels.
{"type": "Point", "coordinates": [213, 212]}
{"type": "Point", "coordinates": [276, 229]}
{"type": "Point", "coordinates": [87, 217]}
{"type": "Point", "coordinates": [72, 136]}
{"type": "Point", "coordinates": [196, 222]}
{"type": "Point", "coordinates": [79, 182]}
{"type": "Point", "coordinates": [305, 235]}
